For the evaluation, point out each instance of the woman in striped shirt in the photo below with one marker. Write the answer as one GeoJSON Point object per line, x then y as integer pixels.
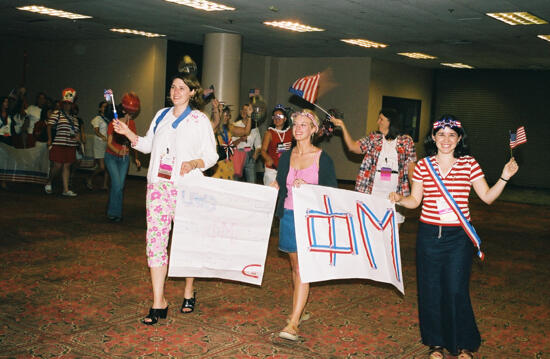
{"type": "Point", "coordinates": [444, 251]}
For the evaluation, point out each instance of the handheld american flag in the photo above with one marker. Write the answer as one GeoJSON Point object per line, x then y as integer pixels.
{"type": "Point", "coordinates": [518, 138]}
{"type": "Point", "coordinates": [306, 87]}
{"type": "Point", "coordinates": [108, 94]}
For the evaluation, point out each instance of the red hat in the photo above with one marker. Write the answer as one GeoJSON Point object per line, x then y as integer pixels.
{"type": "Point", "coordinates": [68, 95]}
{"type": "Point", "coordinates": [130, 102]}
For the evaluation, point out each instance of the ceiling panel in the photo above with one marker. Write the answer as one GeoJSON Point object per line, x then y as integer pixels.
{"type": "Point", "coordinates": [452, 30]}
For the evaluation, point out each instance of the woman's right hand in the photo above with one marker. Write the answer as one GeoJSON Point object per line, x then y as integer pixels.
{"type": "Point", "coordinates": [268, 161]}
{"type": "Point", "coordinates": [337, 121]}
{"type": "Point", "coordinates": [395, 197]}
{"type": "Point", "coordinates": [121, 128]}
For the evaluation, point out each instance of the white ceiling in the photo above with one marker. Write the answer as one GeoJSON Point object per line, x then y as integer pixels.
{"type": "Point", "coordinates": [452, 30]}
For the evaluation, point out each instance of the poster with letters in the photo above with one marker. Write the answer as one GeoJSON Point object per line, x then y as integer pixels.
{"type": "Point", "coordinates": [346, 234]}
{"type": "Point", "coordinates": [221, 229]}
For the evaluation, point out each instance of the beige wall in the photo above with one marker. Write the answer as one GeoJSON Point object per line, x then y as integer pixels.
{"type": "Point", "coordinates": [275, 75]}
{"type": "Point", "coordinates": [90, 67]}
{"type": "Point", "coordinates": [390, 79]}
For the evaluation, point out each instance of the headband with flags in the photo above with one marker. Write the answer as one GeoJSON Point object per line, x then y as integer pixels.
{"type": "Point", "coordinates": [518, 138]}
{"type": "Point", "coordinates": [306, 87]}
{"type": "Point", "coordinates": [466, 225]}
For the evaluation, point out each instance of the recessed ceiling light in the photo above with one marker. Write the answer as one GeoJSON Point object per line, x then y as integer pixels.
{"type": "Point", "coordinates": [417, 55]}
{"type": "Point", "coordinates": [517, 18]}
{"type": "Point", "coordinates": [544, 37]}
{"type": "Point", "coordinates": [364, 43]}
{"type": "Point", "coordinates": [137, 32]}
{"type": "Point", "coordinates": [53, 12]}
{"type": "Point", "coordinates": [457, 65]}
{"type": "Point", "coordinates": [292, 26]}
{"type": "Point", "coordinates": [203, 5]}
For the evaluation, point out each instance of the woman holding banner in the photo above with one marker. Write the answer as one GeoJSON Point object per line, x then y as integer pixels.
{"type": "Point", "coordinates": [446, 240]}
{"type": "Point", "coordinates": [181, 142]}
{"type": "Point", "coordinates": [304, 164]}
{"type": "Point", "coordinates": [389, 157]}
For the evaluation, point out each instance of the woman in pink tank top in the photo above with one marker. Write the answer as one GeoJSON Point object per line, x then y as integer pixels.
{"type": "Point", "coordinates": [305, 163]}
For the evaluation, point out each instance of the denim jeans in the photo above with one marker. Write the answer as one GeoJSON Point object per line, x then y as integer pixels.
{"type": "Point", "coordinates": [249, 170]}
{"type": "Point", "coordinates": [443, 263]}
{"type": "Point", "coordinates": [118, 168]}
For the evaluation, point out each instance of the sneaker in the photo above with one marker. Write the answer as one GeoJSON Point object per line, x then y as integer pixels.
{"type": "Point", "coordinates": [69, 193]}
{"type": "Point", "coordinates": [48, 189]}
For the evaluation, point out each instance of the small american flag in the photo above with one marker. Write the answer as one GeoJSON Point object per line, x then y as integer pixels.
{"type": "Point", "coordinates": [518, 138]}
{"type": "Point", "coordinates": [108, 94]}
{"type": "Point", "coordinates": [306, 87]}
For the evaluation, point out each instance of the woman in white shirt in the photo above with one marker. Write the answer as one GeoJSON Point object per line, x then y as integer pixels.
{"type": "Point", "coordinates": [193, 152]}
{"type": "Point", "coordinates": [100, 123]}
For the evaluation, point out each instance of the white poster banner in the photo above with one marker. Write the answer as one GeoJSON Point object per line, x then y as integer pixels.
{"type": "Point", "coordinates": [24, 164]}
{"type": "Point", "coordinates": [221, 229]}
{"type": "Point", "coordinates": [346, 234]}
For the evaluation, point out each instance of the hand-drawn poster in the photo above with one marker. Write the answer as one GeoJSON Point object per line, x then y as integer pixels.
{"type": "Point", "coordinates": [346, 234]}
{"type": "Point", "coordinates": [221, 229]}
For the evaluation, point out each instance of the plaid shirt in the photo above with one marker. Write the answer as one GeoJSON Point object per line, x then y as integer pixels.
{"type": "Point", "coordinates": [371, 147]}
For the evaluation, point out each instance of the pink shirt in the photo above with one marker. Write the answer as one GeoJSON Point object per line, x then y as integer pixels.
{"type": "Point", "coordinates": [310, 175]}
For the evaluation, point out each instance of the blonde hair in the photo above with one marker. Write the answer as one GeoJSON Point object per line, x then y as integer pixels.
{"type": "Point", "coordinates": [309, 114]}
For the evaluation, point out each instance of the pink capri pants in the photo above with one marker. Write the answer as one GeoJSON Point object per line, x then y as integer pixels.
{"type": "Point", "coordinates": [161, 206]}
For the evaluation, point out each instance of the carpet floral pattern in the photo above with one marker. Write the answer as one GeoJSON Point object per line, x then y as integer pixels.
{"type": "Point", "coordinates": [74, 285]}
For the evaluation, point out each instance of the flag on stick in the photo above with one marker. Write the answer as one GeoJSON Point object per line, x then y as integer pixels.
{"type": "Point", "coordinates": [108, 94]}
{"type": "Point", "coordinates": [306, 87]}
{"type": "Point", "coordinates": [518, 138]}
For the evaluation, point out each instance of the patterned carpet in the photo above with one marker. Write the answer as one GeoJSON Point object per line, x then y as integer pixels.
{"type": "Point", "coordinates": [74, 285]}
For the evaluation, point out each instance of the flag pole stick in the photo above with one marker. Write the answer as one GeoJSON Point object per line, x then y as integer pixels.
{"type": "Point", "coordinates": [322, 109]}
{"type": "Point", "coordinates": [511, 148]}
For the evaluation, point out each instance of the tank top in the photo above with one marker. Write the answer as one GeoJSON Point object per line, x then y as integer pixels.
{"type": "Point", "coordinates": [309, 174]}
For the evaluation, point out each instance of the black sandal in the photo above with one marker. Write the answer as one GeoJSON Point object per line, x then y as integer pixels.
{"type": "Point", "coordinates": [154, 315]}
{"type": "Point", "coordinates": [189, 303]}
{"type": "Point", "coordinates": [465, 352]}
{"type": "Point", "coordinates": [436, 352]}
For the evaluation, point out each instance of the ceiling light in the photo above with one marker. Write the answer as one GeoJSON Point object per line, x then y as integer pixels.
{"type": "Point", "coordinates": [363, 43]}
{"type": "Point", "coordinates": [517, 18]}
{"type": "Point", "coordinates": [53, 12]}
{"type": "Point", "coordinates": [137, 32]}
{"type": "Point", "coordinates": [292, 26]}
{"type": "Point", "coordinates": [417, 55]}
{"type": "Point", "coordinates": [203, 5]}
{"type": "Point", "coordinates": [544, 37]}
{"type": "Point", "coordinates": [457, 65]}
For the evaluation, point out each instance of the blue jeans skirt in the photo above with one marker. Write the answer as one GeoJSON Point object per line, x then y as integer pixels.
{"type": "Point", "coordinates": [287, 232]}
{"type": "Point", "coordinates": [443, 263]}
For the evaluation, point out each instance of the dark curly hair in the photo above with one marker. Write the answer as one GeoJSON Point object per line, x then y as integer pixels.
{"type": "Point", "coordinates": [461, 149]}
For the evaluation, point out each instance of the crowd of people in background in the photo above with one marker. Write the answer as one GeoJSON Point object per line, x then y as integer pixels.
{"type": "Point", "coordinates": [227, 149]}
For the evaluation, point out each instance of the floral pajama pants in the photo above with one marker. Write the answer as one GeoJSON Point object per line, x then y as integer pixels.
{"type": "Point", "coordinates": [161, 206]}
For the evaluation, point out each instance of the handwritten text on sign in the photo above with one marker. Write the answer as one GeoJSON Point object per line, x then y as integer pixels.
{"type": "Point", "coordinates": [346, 234]}
{"type": "Point", "coordinates": [221, 229]}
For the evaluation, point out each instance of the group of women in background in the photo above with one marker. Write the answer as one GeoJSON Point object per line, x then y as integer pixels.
{"type": "Point", "coordinates": [444, 251]}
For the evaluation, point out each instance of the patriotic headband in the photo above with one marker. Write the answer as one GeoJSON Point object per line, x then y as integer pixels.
{"type": "Point", "coordinates": [446, 123]}
{"type": "Point", "coordinates": [308, 115]}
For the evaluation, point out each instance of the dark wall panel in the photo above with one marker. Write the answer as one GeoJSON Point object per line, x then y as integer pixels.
{"type": "Point", "coordinates": [491, 103]}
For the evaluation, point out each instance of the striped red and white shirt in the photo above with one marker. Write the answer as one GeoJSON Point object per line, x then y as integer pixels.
{"type": "Point", "coordinates": [458, 181]}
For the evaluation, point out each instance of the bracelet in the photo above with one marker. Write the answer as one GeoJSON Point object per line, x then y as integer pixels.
{"type": "Point", "coordinates": [505, 180]}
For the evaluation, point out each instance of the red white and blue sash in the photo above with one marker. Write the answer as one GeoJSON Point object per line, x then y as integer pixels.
{"type": "Point", "coordinates": [466, 225]}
